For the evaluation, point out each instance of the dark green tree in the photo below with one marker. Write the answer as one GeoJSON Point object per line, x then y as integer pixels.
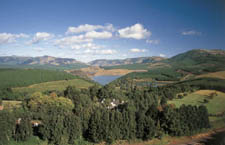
{"type": "Point", "coordinates": [7, 126]}
{"type": "Point", "coordinates": [23, 129]}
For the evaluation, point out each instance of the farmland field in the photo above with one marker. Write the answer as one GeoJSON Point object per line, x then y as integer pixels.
{"type": "Point", "coordinates": [24, 77]}
{"type": "Point", "coordinates": [219, 75]}
{"type": "Point", "coordinates": [54, 85]}
{"type": "Point", "coordinates": [129, 67]}
{"type": "Point", "coordinates": [214, 106]}
{"type": "Point", "coordinates": [11, 104]}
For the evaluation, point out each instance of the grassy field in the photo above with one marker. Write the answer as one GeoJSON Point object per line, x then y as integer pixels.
{"type": "Point", "coordinates": [216, 105]}
{"type": "Point", "coordinates": [11, 104]}
{"type": "Point", "coordinates": [55, 85]}
{"type": "Point", "coordinates": [25, 77]}
{"type": "Point", "coordinates": [219, 75]}
{"type": "Point", "coordinates": [142, 66]}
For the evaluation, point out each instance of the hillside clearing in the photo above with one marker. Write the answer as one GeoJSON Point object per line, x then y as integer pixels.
{"type": "Point", "coordinates": [55, 85]}
{"type": "Point", "coordinates": [11, 78]}
{"type": "Point", "coordinates": [215, 105]}
{"type": "Point", "coordinates": [219, 75]}
{"type": "Point", "coordinates": [11, 104]}
{"type": "Point", "coordinates": [97, 71]}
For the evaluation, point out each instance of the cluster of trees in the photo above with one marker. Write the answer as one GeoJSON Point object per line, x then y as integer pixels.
{"type": "Point", "coordinates": [159, 74]}
{"type": "Point", "coordinates": [205, 84]}
{"type": "Point", "coordinates": [8, 94]}
{"type": "Point", "coordinates": [75, 114]}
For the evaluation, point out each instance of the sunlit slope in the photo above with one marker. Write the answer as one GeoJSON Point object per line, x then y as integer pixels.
{"type": "Point", "coordinates": [55, 85]}
{"type": "Point", "coordinates": [180, 67]}
{"type": "Point", "coordinates": [215, 105]}
{"type": "Point", "coordinates": [10, 78]}
{"type": "Point", "coordinates": [219, 74]}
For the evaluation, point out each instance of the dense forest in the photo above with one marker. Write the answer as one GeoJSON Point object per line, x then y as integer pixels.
{"type": "Point", "coordinates": [138, 106]}
{"type": "Point", "coordinates": [96, 114]}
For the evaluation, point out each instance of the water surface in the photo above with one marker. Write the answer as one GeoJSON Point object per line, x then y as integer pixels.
{"type": "Point", "coordinates": [103, 80]}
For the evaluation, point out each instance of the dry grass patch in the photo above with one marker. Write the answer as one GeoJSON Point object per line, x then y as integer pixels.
{"type": "Point", "coordinates": [11, 104]}
{"type": "Point", "coordinates": [219, 75]}
{"type": "Point", "coordinates": [55, 85]}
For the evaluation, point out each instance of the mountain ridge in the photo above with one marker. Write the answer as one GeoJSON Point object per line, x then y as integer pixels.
{"type": "Point", "coordinates": [40, 60]}
{"type": "Point", "coordinates": [114, 62]}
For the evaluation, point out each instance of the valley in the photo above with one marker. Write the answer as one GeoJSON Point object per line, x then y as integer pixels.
{"type": "Point", "coordinates": [146, 101]}
{"type": "Point", "coordinates": [112, 72]}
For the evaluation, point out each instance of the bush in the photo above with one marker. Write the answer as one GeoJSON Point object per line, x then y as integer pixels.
{"type": "Point", "coordinates": [180, 96]}
{"type": "Point", "coordinates": [206, 101]}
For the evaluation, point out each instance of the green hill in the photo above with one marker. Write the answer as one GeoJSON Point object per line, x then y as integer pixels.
{"type": "Point", "coordinates": [128, 61]}
{"type": "Point", "coordinates": [54, 86]}
{"type": "Point", "coordinates": [182, 66]}
{"type": "Point", "coordinates": [43, 62]}
{"type": "Point", "coordinates": [23, 77]}
{"type": "Point", "coordinates": [199, 61]}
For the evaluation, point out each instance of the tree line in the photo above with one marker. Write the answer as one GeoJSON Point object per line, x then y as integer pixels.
{"type": "Point", "coordinates": [83, 114]}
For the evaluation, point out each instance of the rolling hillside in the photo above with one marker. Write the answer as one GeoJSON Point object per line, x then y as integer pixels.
{"type": "Point", "coordinates": [54, 86]}
{"type": "Point", "coordinates": [46, 62]}
{"type": "Point", "coordinates": [23, 77]}
{"type": "Point", "coordinates": [183, 66]}
{"type": "Point", "coordinates": [199, 61]}
{"type": "Point", "coordinates": [117, 62]}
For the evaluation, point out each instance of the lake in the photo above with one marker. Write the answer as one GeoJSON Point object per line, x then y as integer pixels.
{"type": "Point", "coordinates": [103, 80]}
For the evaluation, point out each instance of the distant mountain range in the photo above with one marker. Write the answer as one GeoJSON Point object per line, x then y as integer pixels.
{"type": "Point", "coordinates": [36, 60]}
{"type": "Point", "coordinates": [188, 65]}
{"type": "Point", "coordinates": [114, 62]}
{"type": "Point", "coordinates": [40, 62]}
{"type": "Point", "coordinates": [201, 59]}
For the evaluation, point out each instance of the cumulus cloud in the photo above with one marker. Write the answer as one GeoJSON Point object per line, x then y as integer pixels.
{"type": "Point", "coordinates": [191, 32]}
{"type": "Point", "coordinates": [39, 49]}
{"type": "Point", "coordinates": [88, 28]}
{"type": "Point", "coordinates": [72, 40]}
{"type": "Point", "coordinates": [41, 36]}
{"type": "Point", "coordinates": [9, 38]}
{"type": "Point", "coordinates": [136, 31]}
{"type": "Point", "coordinates": [82, 40]}
{"type": "Point", "coordinates": [100, 52]}
{"type": "Point", "coordinates": [153, 41]}
{"type": "Point", "coordinates": [136, 50]}
{"type": "Point", "coordinates": [98, 35]}
{"type": "Point", "coordinates": [86, 46]}
{"type": "Point", "coordinates": [162, 55]}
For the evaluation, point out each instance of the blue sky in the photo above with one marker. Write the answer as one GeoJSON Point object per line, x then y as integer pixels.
{"type": "Point", "coordinates": [110, 29]}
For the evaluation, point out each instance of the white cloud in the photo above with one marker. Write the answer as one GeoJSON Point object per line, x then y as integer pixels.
{"type": "Point", "coordinates": [88, 28]}
{"type": "Point", "coordinates": [86, 46]}
{"type": "Point", "coordinates": [9, 38]}
{"type": "Point", "coordinates": [41, 36]}
{"type": "Point", "coordinates": [39, 49]}
{"type": "Point", "coordinates": [136, 31]}
{"type": "Point", "coordinates": [109, 27]}
{"type": "Point", "coordinates": [98, 35]}
{"type": "Point", "coordinates": [153, 41]}
{"type": "Point", "coordinates": [191, 32]}
{"type": "Point", "coordinates": [100, 52]}
{"type": "Point", "coordinates": [136, 50]}
{"type": "Point", "coordinates": [72, 40]}
{"type": "Point", "coordinates": [162, 55]}
{"type": "Point", "coordinates": [83, 40]}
